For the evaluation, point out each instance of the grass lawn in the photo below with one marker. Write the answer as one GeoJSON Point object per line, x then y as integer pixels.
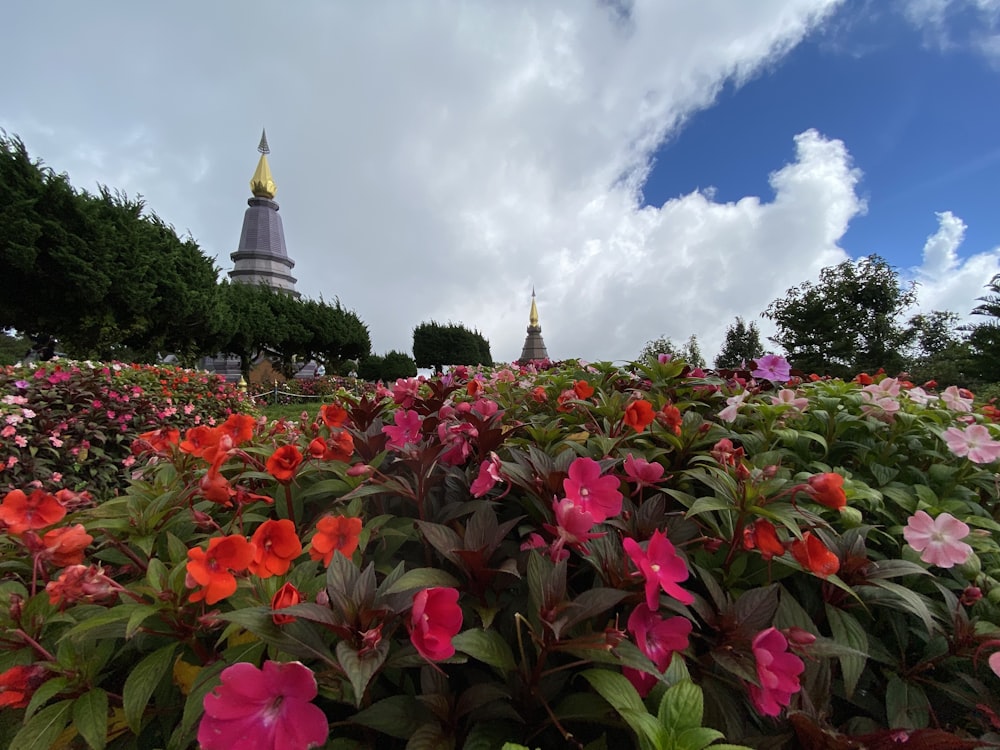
{"type": "Point", "coordinates": [291, 411]}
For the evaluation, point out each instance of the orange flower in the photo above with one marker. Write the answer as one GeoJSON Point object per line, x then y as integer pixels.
{"type": "Point", "coordinates": [671, 417]}
{"type": "Point", "coordinates": [338, 447]}
{"type": "Point", "coordinates": [765, 537]}
{"type": "Point", "coordinates": [211, 569]}
{"type": "Point", "coordinates": [333, 415]}
{"type": "Point", "coordinates": [639, 415]}
{"type": "Point", "coordinates": [814, 556]}
{"type": "Point", "coordinates": [538, 395]}
{"type": "Point", "coordinates": [160, 440]}
{"type": "Point", "coordinates": [284, 462]}
{"type": "Point", "coordinates": [286, 596]}
{"type": "Point", "coordinates": [828, 489]}
{"type": "Point", "coordinates": [863, 378]}
{"type": "Point", "coordinates": [335, 533]}
{"type": "Point", "coordinates": [239, 427]}
{"type": "Point", "coordinates": [583, 389]}
{"type": "Point", "coordinates": [276, 545]}
{"type": "Point", "coordinates": [473, 387]}
{"type": "Point", "coordinates": [214, 486]}
{"type": "Point", "coordinates": [65, 546]}
{"type": "Point", "coordinates": [199, 439]}
{"type": "Point", "coordinates": [19, 683]}
{"type": "Point", "coordinates": [21, 512]}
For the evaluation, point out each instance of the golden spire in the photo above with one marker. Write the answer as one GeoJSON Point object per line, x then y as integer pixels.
{"type": "Point", "coordinates": [262, 184]}
{"type": "Point", "coordinates": [533, 315]}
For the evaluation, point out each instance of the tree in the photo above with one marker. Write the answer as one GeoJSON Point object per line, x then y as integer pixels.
{"type": "Point", "coordinates": [656, 347]}
{"type": "Point", "coordinates": [742, 345]}
{"type": "Point", "coordinates": [847, 322]}
{"type": "Point", "coordinates": [691, 352]}
{"type": "Point", "coordinates": [939, 351]}
{"type": "Point", "coordinates": [984, 338]}
{"type": "Point", "coordinates": [392, 366]}
{"type": "Point", "coordinates": [436, 345]}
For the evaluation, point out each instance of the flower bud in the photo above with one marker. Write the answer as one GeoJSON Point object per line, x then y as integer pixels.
{"type": "Point", "coordinates": [799, 637]}
{"type": "Point", "coordinates": [851, 517]}
{"type": "Point", "coordinates": [971, 595]}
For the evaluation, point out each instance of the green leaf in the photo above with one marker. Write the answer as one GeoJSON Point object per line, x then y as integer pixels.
{"type": "Point", "coordinates": [397, 716]}
{"type": "Point", "coordinates": [206, 680]}
{"type": "Point", "coordinates": [430, 737]}
{"type": "Point", "coordinates": [899, 597]}
{"type": "Point", "coordinates": [849, 632]}
{"type": "Point", "coordinates": [41, 731]}
{"type": "Point", "coordinates": [138, 617]}
{"type": "Point", "coordinates": [682, 707]}
{"type": "Point", "coordinates": [488, 646]}
{"type": "Point", "coordinates": [47, 689]}
{"type": "Point", "coordinates": [619, 692]}
{"type": "Point", "coordinates": [141, 683]}
{"type": "Point", "coordinates": [90, 717]}
{"type": "Point", "coordinates": [423, 578]}
{"type": "Point", "coordinates": [696, 738]}
{"type": "Point", "coordinates": [906, 705]}
{"type": "Point", "coordinates": [157, 574]}
{"type": "Point", "coordinates": [707, 504]}
{"type": "Point", "coordinates": [361, 669]}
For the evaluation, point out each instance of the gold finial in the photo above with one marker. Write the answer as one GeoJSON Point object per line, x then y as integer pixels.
{"type": "Point", "coordinates": [262, 184]}
{"type": "Point", "coordinates": [533, 315]}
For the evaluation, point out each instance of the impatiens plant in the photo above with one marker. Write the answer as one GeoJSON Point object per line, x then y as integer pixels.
{"type": "Point", "coordinates": [583, 556]}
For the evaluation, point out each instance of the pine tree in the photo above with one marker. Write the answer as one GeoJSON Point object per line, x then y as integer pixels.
{"type": "Point", "coordinates": [742, 345]}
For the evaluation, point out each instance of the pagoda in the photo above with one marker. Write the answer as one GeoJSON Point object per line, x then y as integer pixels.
{"type": "Point", "coordinates": [261, 257]}
{"type": "Point", "coordinates": [534, 346]}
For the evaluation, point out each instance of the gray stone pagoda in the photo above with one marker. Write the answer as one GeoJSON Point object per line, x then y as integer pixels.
{"type": "Point", "coordinates": [534, 346]}
{"type": "Point", "coordinates": [261, 257]}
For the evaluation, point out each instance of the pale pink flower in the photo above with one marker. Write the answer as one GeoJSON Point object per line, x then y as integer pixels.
{"type": "Point", "coordinates": [733, 406]}
{"type": "Point", "coordinates": [772, 367]}
{"type": "Point", "coordinates": [886, 387]}
{"type": "Point", "coordinates": [788, 397]}
{"type": "Point", "coordinates": [8, 430]}
{"type": "Point", "coordinates": [879, 407]}
{"type": "Point", "coordinates": [28, 413]}
{"type": "Point", "coordinates": [21, 441]}
{"type": "Point", "coordinates": [975, 441]}
{"type": "Point", "coordinates": [920, 396]}
{"type": "Point", "coordinates": [263, 709]}
{"type": "Point", "coordinates": [938, 540]}
{"type": "Point", "coordinates": [954, 400]}
{"type": "Point", "coordinates": [994, 662]}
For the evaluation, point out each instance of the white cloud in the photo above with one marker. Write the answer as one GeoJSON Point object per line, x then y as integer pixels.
{"type": "Point", "coordinates": [948, 24]}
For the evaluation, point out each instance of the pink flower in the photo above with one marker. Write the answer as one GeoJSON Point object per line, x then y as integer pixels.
{"type": "Point", "coordinates": [994, 662]}
{"type": "Point", "coordinates": [938, 540]}
{"type": "Point", "coordinates": [772, 367]}
{"type": "Point", "coordinates": [662, 568]}
{"type": "Point", "coordinates": [788, 397]}
{"type": "Point", "coordinates": [597, 495]}
{"type": "Point", "coordinates": [777, 671]}
{"type": "Point", "coordinates": [657, 638]}
{"type": "Point", "coordinates": [435, 619]}
{"type": "Point", "coordinates": [406, 391]}
{"type": "Point", "coordinates": [642, 472]}
{"type": "Point", "coordinates": [263, 709]}
{"type": "Point", "coordinates": [733, 404]}
{"type": "Point", "coordinates": [975, 442]}
{"type": "Point", "coordinates": [954, 400]}
{"type": "Point", "coordinates": [573, 525]}
{"type": "Point", "coordinates": [407, 429]}
{"type": "Point", "coordinates": [489, 475]}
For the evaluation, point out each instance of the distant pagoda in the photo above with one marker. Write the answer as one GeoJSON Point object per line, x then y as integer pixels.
{"type": "Point", "coordinates": [262, 257]}
{"type": "Point", "coordinates": [534, 346]}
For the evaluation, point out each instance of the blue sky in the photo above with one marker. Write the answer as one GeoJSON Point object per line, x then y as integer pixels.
{"type": "Point", "coordinates": [922, 123]}
{"type": "Point", "coordinates": [438, 161]}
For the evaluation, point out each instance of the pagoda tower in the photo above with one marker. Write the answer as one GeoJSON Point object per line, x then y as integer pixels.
{"type": "Point", "coordinates": [534, 346]}
{"type": "Point", "coordinates": [262, 257]}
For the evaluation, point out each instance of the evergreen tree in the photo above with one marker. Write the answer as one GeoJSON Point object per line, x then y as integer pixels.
{"type": "Point", "coordinates": [742, 345]}
{"type": "Point", "coordinates": [656, 347]}
{"type": "Point", "coordinates": [436, 345]}
{"type": "Point", "coordinates": [984, 338]}
{"type": "Point", "coordinates": [691, 352]}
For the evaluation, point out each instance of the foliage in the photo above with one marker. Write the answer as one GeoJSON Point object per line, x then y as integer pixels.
{"type": "Point", "coordinates": [984, 338]}
{"type": "Point", "coordinates": [387, 368]}
{"type": "Point", "coordinates": [847, 322]}
{"type": "Point", "coordinates": [654, 348]}
{"type": "Point", "coordinates": [98, 272]}
{"type": "Point", "coordinates": [13, 347]}
{"type": "Point", "coordinates": [436, 345]}
{"type": "Point", "coordinates": [72, 424]}
{"type": "Point", "coordinates": [940, 353]}
{"type": "Point", "coordinates": [741, 347]}
{"type": "Point", "coordinates": [588, 556]}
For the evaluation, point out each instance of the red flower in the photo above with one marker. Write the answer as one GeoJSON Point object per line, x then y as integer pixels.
{"type": "Point", "coordinates": [333, 415]}
{"type": "Point", "coordinates": [239, 427]}
{"type": "Point", "coordinates": [586, 488]}
{"type": "Point", "coordinates": [335, 534]}
{"type": "Point", "coordinates": [814, 556]}
{"type": "Point", "coordinates": [275, 547]}
{"type": "Point", "coordinates": [777, 671]}
{"type": "Point", "coordinates": [21, 512]}
{"type": "Point", "coordinates": [828, 489]}
{"type": "Point", "coordinates": [583, 389]}
{"type": "Point", "coordinates": [671, 418]}
{"type": "Point", "coordinates": [863, 378]}
{"type": "Point", "coordinates": [211, 569]}
{"type": "Point", "coordinates": [286, 596]}
{"type": "Point", "coordinates": [764, 537]}
{"type": "Point", "coordinates": [19, 683]}
{"type": "Point", "coordinates": [661, 566]}
{"type": "Point", "coordinates": [214, 486]}
{"type": "Point", "coordinates": [338, 447]}
{"type": "Point", "coordinates": [538, 395]}
{"type": "Point", "coordinates": [199, 439]}
{"type": "Point", "coordinates": [284, 462]}
{"type": "Point", "coordinates": [473, 387]}
{"type": "Point", "coordinates": [658, 639]}
{"type": "Point", "coordinates": [160, 440]}
{"type": "Point", "coordinates": [64, 546]}
{"type": "Point", "coordinates": [435, 619]}
{"type": "Point", "coordinates": [639, 415]}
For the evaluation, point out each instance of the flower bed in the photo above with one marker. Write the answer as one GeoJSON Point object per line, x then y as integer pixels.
{"type": "Point", "coordinates": [587, 556]}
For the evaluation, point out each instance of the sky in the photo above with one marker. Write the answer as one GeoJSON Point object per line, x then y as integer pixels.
{"type": "Point", "coordinates": [650, 168]}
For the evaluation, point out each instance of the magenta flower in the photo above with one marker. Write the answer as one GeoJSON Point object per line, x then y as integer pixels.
{"type": "Point", "coordinates": [777, 671]}
{"type": "Point", "coordinates": [661, 566]}
{"type": "Point", "coordinates": [573, 525]}
{"type": "Point", "coordinates": [642, 472]}
{"type": "Point", "coordinates": [263, 709]}
{"type": "Point", "coordinates": [435, 619]}
{"type": "Point", "coordinates": [772, 367]}
{"type": "Point", "coordinates": [597, 495]}
{"type": "Point", "coordinates": [489, 475]}
{"type": "Point", "coordinates": [975, 441]}
{"type": "Point", "coordinates": [406, 430]}
{"type": "Point", "coordinates": [657, 638]}
{"type": "Point", "coordinates": [938, 540]}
